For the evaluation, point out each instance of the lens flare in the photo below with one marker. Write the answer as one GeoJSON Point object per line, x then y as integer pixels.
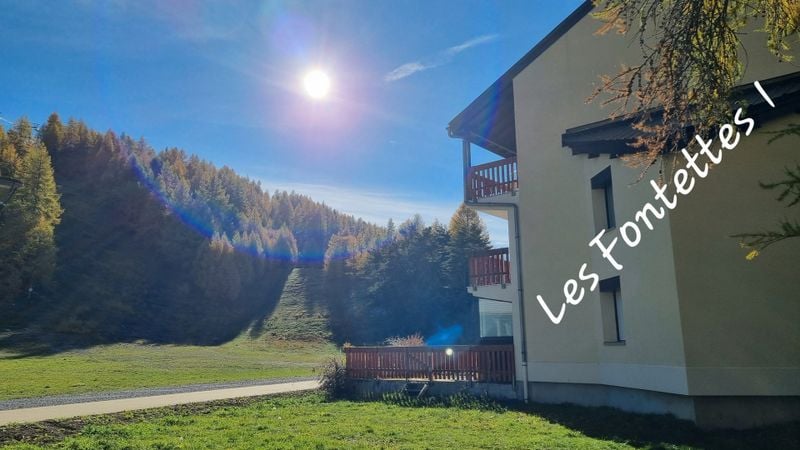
{"type": "Point", "coordinates": [317, 84]}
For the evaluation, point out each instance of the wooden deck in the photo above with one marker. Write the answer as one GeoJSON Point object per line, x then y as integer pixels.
{"type": "Point", "coordinates": [478, 363]}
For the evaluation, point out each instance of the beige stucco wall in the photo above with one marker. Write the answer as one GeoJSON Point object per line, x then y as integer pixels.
{"type": "Point", "coordinates": [557, 224]}
{"type": "Point", "coordinates": [741, 319]}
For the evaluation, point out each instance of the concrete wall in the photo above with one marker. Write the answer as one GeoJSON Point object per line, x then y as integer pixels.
{"type": "Point", "coordinates": [366, 388]}
{"type": "Point", "coordinates": [634, 400]}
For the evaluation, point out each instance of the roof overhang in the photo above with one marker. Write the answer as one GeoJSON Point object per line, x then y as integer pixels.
{"type": "Point", "coordinates": [615, 136]}
{"type": "Point", "coordinates": [489, 120]}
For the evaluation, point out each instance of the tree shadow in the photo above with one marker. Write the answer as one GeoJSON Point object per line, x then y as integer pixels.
{"type": "Point", "coordinates": [211, 325]}
{"type": "Point", "coordinates": [650, 431]}
{"type": "Point", "coordinates": [660, 431]}
{"type": "Point", "coordinates": [275, 292]}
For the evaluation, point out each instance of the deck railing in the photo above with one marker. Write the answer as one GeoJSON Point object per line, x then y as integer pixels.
{"type": "Point", "coordinates": [477, 363]}
{"type": "Point", "coordinates": [492, 179]}
{"type": "Point", "coordinates": [490, 267]}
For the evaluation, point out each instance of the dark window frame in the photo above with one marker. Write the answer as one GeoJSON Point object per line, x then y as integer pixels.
{"type": "Point", "coordinates": [602, 181]}
{"type": "Point", "coordinates": [612, 286]}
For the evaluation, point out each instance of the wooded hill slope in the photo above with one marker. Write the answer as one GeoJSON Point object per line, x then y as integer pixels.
{"type": "Point", "coordinates": [111, 241]}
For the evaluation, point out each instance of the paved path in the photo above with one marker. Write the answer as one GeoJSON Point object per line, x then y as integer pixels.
{"type": "Point", "coordinates": [67, 399]}
{"type": "Point", "coordinates": [127, 404]}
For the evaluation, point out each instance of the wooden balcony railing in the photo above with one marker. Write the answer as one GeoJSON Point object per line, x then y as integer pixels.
{"type": "Point", "coordinates": [478, 363]}
{"type": "Point", "coordinates": [492, 179]}
{"type": "Point", "coordinates": [490, 267]}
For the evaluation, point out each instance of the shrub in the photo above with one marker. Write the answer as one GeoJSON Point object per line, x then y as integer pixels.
{"type": "Point", "coordinates": [333, 379]}
{"type": "Point", "coordinates": [414, 340]}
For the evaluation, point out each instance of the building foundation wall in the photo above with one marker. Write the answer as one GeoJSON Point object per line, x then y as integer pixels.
{"type": "Point", "coordinates": [708, 412]}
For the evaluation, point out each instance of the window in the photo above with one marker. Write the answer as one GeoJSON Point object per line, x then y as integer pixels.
{"type": "Point", "coordinates": [603, 200]}
{"type": "Point", "coordinates": [495, 318]}
{"type": "Point", "coordinates": [611, 310]}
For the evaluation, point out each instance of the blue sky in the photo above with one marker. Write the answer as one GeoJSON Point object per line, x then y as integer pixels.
{"type": "Point", "coordinates": [224, 80]}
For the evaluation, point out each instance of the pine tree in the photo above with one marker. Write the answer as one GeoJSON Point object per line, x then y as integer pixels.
{"type": "Point", "coordinates": [27, 233]}
{"type": "Point", "coordinates": [21, 135]}
{"type": "Point", "coordinates": [39, 205]}
{"type": "Point", "coordinates": [9, 158]}
{"type": "Point", "coordinates": [468, 235]}
{"type": "Point", "coordinates": [52, 133]}
{"type": "Point", "coordinates": [391, 231]}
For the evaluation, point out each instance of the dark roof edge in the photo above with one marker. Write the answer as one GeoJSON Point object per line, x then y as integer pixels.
{"type": "Point", "coordinates": [737, 90]}
{"type": "Point", "coordinates": [787, 102]}
{"type": "Point", "coordinates": [527, 59]}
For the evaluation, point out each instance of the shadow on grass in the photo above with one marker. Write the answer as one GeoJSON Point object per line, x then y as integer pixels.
{"type": "Point", "coordinates": [651, 431]}
{"type": "Point", "coordinates": [661, 431]}
{"type": "Point", "coordinates": [32, 332]}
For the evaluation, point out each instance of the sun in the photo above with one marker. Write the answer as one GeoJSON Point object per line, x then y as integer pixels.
{"type": "Point", "coordinates": [317, 84]}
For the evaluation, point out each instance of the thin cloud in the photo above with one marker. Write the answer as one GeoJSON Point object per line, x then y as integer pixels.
{"type": "Point", "coordinates": [368, 204]}
{"type": "Point", "coordinates": [442, 58]}
{"type": "Point", "coordinates": [484, 39]}
{"type": "Point", "coordinates": [408, 69]}
{"type": "Point", "coordinates": [378, 207]}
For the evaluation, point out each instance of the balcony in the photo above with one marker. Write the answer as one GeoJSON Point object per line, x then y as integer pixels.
{"type": "Point", "coordinates": [491, 267]}
{"type": "Point", "coordinates": [492, 179]}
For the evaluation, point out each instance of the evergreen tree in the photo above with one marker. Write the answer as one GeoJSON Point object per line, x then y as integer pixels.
{"type": "Point", "coordinates": [9, 158]}
{"type": "Point", "coordinates": [391, 231]}
{"type": "Point", "coordinates": [468, 235]}
{"type": "Point", "coordinates": [27, 234]}
{"type": "Point", "coordinates": [21, 135]}
{"type": "Point", "coordinates": [52, 133]}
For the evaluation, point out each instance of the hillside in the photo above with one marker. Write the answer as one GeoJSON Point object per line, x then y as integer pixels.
{"type": "Point", "coordinates": [162, 246]}
{"type": "Point", "coordinates": [299, 314]}
{"type": "Point", "coordinates": [111, 242]}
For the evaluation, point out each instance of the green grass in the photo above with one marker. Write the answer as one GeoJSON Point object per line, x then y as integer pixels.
{"type": "Point", "coordinates": [129, 366]}
{"type": "Point", "coordinates": [291, 342]}
{"type": "Point", "coordinates": [307, 421]}
{"type": "Point", "coordinates": [296, 315]}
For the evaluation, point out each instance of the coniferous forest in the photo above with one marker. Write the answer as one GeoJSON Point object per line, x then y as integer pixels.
{"type": "Point", "coordinates": [109, 240]}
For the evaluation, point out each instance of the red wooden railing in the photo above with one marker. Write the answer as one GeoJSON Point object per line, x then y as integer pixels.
{"type": "Point", "coordinates": [479, 363]}
{"type": "Point", "coordinates": [490, 267]}
{"type": "Point", "coordinates": [492, 179]}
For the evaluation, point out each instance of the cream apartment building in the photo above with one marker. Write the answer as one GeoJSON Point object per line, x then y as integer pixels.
{"type": "Point", "coordinates": [688, 326]}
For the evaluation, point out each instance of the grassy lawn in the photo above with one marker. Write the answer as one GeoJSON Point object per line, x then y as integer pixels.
{"type": "Point", "coordinates": [307, 421]}
{"type": "Point", "coordinates": [130, 366]}
{"type": "Point", "coordinates": [291, 342]}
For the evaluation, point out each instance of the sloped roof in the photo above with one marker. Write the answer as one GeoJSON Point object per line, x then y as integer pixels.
{"type": "Point", "coordinates": [489, 120]}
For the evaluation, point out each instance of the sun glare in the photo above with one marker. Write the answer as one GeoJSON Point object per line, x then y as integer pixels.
{"type": "Point", "coordinates": [317, 84]}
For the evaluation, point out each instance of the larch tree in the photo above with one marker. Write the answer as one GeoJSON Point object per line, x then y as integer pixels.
{"type": "Point", "coordinates": [27, 238]}
{"type": "Point", "coordinates": [690, 64]}
{"type": "Point", "coordinates": [52, 133]}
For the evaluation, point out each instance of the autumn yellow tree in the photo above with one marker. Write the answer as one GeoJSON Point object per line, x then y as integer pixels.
{"type": "Point", "coordinates": [691, 61]}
